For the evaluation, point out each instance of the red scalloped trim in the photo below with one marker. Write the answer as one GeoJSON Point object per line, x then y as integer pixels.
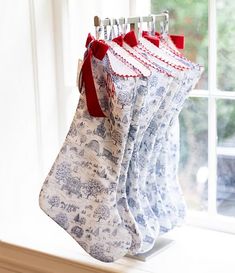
{"type": "Point", "coordinates": [179, 54]}
{"type": "Point", "coordinates": [149, 65]}
{"type": "Point", "coordinates": [162, 40]}
{"type": "Point", "coordinates": [178, 67]}
{"type": "Point", "coordinates": [122, 75]}
{"type": "Point", "coordinates": [124, 61]}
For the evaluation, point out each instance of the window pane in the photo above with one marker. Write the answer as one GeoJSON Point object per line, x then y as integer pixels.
{"type": "Point", "coordinates": [225, 44]}
{"type": "Point", "coordinates": [190, 18]}
{"type": "Point", "coordinates": [193, 171]}
{"type": "Point", "coordinates": [226, 157]}
{"type": "Point", "coordinates": [226, 123]}
{"type": "Point", "coordinates": [226, 185]}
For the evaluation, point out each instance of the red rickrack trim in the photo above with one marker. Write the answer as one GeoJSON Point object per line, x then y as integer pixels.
{"type": "Point", "coordinates": [149, 65]}
{"type": "Point", "coordinates": [178, 67]}
{"type": "Point", "coordinates": [162, 40]}
{"type": "Point", "coordinates": [124, 61]}
{"type": "Point", "coordinates": [179, 54]}
{"type": "Point", "coordinates": [153, 39]}
{"type": "Point", "coordinates": [131, 39]}
{"type": "Point", "coordinates": [177, 40]}
{"type": "Point", "coordinates": [121, 75]}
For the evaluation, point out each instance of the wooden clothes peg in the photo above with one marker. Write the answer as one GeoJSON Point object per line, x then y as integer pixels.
{"type": "Point", "coordinates": [99, 24]}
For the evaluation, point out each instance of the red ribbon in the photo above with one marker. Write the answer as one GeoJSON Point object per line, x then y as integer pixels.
{"type": "Point", "coordinates": [131, 39]}
{"type": "Point", "coordinates": [119, 40]}
{"type": "Point", "coordinates": [153, 39]}
{"type": "Point", "coordinates": [178, 40]}
{"type": "Point", "coordinates": [97, 49]}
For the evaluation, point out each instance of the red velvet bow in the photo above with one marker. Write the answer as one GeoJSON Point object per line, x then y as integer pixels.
{"type": "Point", "coordinates": [178, 40]}
{"type": "Point", "coordinates": [119, 40]}
{"type": "Point", "coordinates": [98, 49]}
{"type": "Point", "coordinates": [153, 39]}
{"type": "Point", "coordinates": [131, 39]}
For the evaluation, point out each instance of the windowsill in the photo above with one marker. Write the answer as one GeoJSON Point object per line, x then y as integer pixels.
{"type": "Point", "coordinates": [195, 250]}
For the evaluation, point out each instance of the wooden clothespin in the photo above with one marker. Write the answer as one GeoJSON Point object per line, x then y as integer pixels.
{"type": "Point", "coordinates": [99, 24]}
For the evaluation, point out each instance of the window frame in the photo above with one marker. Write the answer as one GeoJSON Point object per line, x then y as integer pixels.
{"type": "Point", "coordinates": [210, 218]}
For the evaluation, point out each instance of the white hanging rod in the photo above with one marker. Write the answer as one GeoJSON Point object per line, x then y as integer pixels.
{"type": "Point", "coordinates": [130, 20]}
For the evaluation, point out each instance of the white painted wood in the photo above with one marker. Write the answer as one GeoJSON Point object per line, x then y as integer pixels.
{"type": "Point", "coordinates": [162, 244]}
{"type": "Point", "coordinates": [217, 94]}
{"type": "Point", "coordinates": [212, 117]}
{"type": "Point", "coordinates": [228, 151]}
{"type": "Point", "coordinates": [195, 250]}
{"type": "Point", "coordinates": [212, 222]}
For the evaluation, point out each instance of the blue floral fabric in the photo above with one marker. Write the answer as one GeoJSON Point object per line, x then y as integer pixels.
{"type": "Point", "coordinates": [163, 170]}
{"type": "Point", "coordinates": [135, 189]}
{"type": "Point", "coordinates": [157, 167]}
{"type": "Point", "coordinates": [113, 186]}
{"type": "Point", "coordinates": [160, 205]}
{"type": "Point", "coordinates": [79, 192]}
{"type": "Point", "coordinates": [145, 221]}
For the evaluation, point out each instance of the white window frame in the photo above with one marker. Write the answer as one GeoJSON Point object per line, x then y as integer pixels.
{"type": "Point", "coordinates": [210, 218]}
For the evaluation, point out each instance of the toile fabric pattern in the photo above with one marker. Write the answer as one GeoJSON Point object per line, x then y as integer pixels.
{"type": "Point", "coordinates": [79, 192]}
{"type": "Point", "coordinates": [163, 207]}
{"type": "Point", "coordinates": [158, 87]}
{"type": "Point", "coordinates": [151, 176]}
{"type": "Point", "coordinates": [145, 220]}
{"type": "Point", "coordinates": [164, 173]}
{"type": "Point", "coordinates": [138, 163]}
{"type": "Point", "coordinates": [113, 186]}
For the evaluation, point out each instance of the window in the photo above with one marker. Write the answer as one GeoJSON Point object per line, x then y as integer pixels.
{"type": "Point", "coordinates": [207, 121]}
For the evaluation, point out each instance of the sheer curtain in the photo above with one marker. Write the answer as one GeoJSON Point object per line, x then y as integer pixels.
{"type": "Point", "coordinates": [41, 42]}
{"type": "Point", "coordinates": [28, 110]}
